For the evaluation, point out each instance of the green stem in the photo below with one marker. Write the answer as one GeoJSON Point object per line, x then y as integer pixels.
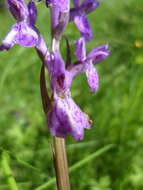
{"type": "Point", "coordinates": [8, 172]}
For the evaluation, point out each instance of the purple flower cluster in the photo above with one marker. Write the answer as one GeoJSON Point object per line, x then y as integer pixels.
{"type": "Point", "coordinates": [63, 115]}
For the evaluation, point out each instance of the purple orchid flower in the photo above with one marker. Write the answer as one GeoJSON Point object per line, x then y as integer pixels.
{"type": "Point", "coordinates": [64, 116]}
{"type": "Point", "coordinates": [78, 15]}
{"type": "Point", "coordinates": [23, 33]}
{"type": "Point", "coordinates": [86, 63]}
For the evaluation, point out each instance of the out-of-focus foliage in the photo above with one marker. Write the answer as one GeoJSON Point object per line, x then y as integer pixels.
{"type": "Point", "coordinates": [116, 109]}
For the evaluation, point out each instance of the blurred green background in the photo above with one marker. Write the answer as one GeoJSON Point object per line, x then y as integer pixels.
{"type": "Point", "coordinates": [116, 109]}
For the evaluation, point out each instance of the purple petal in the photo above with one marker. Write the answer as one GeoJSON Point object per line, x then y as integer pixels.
{"type": "Point", "coordinates": [42, 50]}
{"type": "Point", "coordinates": [22, 34]}
{"type": "Point", "coordinates": [73, 13]}
{"type": "Point", "coordinates": [62, 21]}
{"type": "Point", "coordinates": [4, 47]}
{"type": "Point", "coordinates": [57, 72]}
{"type": "Point", "coordinates": [57, 126]}
{"type": "Point", "coordinates": [84, 8]}
{"type": "Point", "coordinates": [75, 69]}
{"type": "Point", "coordinates": [57, 64]}
{"type": "Point", "coordinates": [89, 6]}
{"type": "Point", "coordinates": [76, 3]}
{"type": "Point", "coordinates": [83, 26]}
{"type": "Point", "coordinates": [62, 4]}
{"type": "Point", "coordinates": [66, 117]}
{"type": "Point", "coordinates": [18, 9]}
{"type": "Point", "coordinates": [10, 39]}
{"type": "Point", "coordinates": [98, 54]}
{"type": "Point", "coordinates": [92, 77]}
{"type": "Point", "coordinates": [26, 36]}
{"type": "Point", "coordinates": [59, 20]}
{"type": "Point", "coordinates": [32, 12]}
{"type": "Point", "coordinates": [80, 49]}
{"type": "Point", "coordinates": [55, 13]}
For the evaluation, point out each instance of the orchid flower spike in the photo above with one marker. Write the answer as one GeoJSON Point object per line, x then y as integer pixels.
{"type": "Point", "coordinates": [63, 115]}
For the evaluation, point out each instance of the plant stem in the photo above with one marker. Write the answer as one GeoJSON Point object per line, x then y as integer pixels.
{"type": "Point", "coordinates": [78, 165]}
{"type": "Point", "coordinates": [59, 148]}
{"type": "Point", "coordinates": [7, 170]}
{"type": "Point", "coordinates": [61, 164]}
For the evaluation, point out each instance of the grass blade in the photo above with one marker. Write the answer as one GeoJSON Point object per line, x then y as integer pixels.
{"type": "Point", "coordinates": [78, 165]}
{"type": "Point", "coordinates": [7, 170]}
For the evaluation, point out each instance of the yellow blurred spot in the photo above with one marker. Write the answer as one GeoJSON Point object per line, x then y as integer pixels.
{"type": "Point", "coordinates": [138, 43]}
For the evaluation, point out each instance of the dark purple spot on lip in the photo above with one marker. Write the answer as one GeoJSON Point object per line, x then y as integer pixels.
{"type": "Point", "coordinates": [77, 63]}
{"type": "Point", "coordinates": [98, 56]}
{"type": "Point", "coordinates": [60, 80]}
